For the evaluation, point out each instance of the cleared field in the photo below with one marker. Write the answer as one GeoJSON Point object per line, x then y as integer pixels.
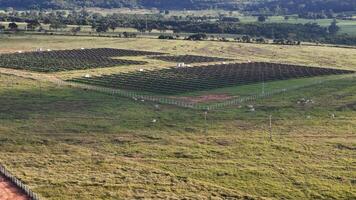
{"type": "Point", "coordinates": [189, 79]}
{"type": "Point", "coordinates": [346, 26]}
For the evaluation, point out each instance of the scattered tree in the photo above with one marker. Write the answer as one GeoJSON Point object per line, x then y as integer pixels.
{"type": "Point", "coordinates": [75, 30]}
{"type": "Point", "coordinates": [2, 28]}
{"type": "Point", "coordinates": [333, 28]}
{"type": "Point", "coordinates": [261, 18]}
{"type": "Point", "coordinates": [56, 24]}
{"type": "Point", "coordinates": [13, 26]}
{"type": "Point", "coordinates": [199, 36]}
{"type": "Point", "coordinates": [33, 24]}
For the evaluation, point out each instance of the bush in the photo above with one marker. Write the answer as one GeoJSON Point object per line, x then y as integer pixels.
{"type": "Point", "coordinates": [165, 37]}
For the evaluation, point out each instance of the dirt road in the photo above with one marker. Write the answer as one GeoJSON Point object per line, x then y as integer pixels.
{"type": "Point", "coordinates": [8, 191]}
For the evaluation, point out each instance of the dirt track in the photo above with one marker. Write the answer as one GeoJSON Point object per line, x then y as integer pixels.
{"type": "Point", "coordinates": [8, 191]}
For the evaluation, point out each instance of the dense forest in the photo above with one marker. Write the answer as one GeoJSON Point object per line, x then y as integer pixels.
{"type": "Point", "coordinates": [268, 6]}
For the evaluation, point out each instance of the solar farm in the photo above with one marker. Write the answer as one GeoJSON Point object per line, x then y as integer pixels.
{"type": "Point", "coordinates": [181, 80]}
{"type": "Point", "coordinates": [178, 81]}
{"type": "Point", "coordinates": [66, 60]}
{"type": "Point", "coordinates": [141, 118]}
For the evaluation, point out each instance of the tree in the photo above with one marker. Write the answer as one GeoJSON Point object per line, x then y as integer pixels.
{"type": "Point", "coordinates": [33, 24]}
{"type": "Point", "coordinates": [56, 24]}
{"type": "Point", "coordinates": [102, 27]}
{"type": "Point", "coordinates": [199, 36]}
{"type": "Point", "coordinates": [75, 30]}
{"type": "Point", "coordinates": [113, 25]}
{"type": "Point", "coordinates": [261, 18]}
{"type": "Point", "coordinates": [246, 39]}
{"type": "Point", "coordinates": [2, 28]}
{"type": "Point", "coordinates": [333, 28]}
{"type": "Point", "coordinates": [13, 26]}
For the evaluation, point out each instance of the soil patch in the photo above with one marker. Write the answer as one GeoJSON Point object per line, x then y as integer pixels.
{"type": "Point", "coordinates": [8, 191]}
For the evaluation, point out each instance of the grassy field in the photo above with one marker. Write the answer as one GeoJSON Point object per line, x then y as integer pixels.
{"type": "Point", "coordinates": [346, 26]}
{"type": "Point", "coordinates": [68, 143]}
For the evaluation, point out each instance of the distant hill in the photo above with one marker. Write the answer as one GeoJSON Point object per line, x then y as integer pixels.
{"type": "Point", "coordinates": [291, 6]}
{"type": "Point", "coordinates": [160, 4]}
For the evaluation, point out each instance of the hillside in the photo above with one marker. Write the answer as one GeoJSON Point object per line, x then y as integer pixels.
{"type": "Point", "coordinates": [290, 6]}
{"type": "Point", "coordinates": [70, 143]}
{"type": "Point", "coordinates": [172, 4]}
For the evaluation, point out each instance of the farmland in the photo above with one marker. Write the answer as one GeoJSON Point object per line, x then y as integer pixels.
{"type": "Point", "coordinates": [67, 142]}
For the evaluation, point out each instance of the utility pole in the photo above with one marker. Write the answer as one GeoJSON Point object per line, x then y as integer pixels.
{"type": "Point", "coordinates": [206, 122]}
{"type": "Point", "coordinates": [263, 81]}
{"type": "Point", "coordinates": [270, 127]}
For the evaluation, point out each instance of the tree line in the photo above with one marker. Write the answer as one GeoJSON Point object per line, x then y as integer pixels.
{"type": "Point", "coordinates": [271, 6]}
{"type": "Point", "coordinates": [146, 23]}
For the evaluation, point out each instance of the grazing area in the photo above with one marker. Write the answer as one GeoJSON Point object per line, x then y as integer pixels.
{"type": "Point", "coordinates": [189, 79]}
{"type": "Point", "coordinates": [64, 60]}
{"type": "Point", "coordinates": [190, 59]}
{"type": "Point", "coordinates": [67, 142]}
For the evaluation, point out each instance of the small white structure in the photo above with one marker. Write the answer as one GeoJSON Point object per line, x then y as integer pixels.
{"type": "Point", "coordinates": [251, 108]}
{"type": "Point", "coordinates": [141, 70]}
{"type": "Point", "coordinates": [87, 76]}
{"type": "Point", "coordinates": [180, 64]}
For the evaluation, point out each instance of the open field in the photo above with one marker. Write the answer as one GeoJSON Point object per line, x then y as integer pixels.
{"type": "Point", "coordinates": [66, 143]}
{"type": "Point", "coordinates": [70, 143]}
{"type": "Point", "coordinates": [346, 26]}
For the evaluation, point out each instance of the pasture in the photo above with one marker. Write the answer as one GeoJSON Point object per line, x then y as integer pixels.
{"type": "Point", "coordinates": [67, 142]}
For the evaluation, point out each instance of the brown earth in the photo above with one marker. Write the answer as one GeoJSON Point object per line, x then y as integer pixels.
{"type": "Point", "coordinates": [8, 191]}
{"type": "Point", "coordinates": [206, 98]}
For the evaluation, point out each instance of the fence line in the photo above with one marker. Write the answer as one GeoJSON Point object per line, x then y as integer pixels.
{"type": "Point", "coordinates": [18, 183]}
{"type": "Point", "coordinates": [166, 100]}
